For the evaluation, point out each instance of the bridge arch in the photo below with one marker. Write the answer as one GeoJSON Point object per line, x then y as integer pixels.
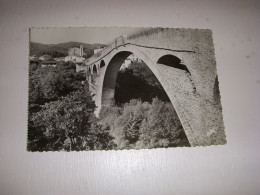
{"type": "Point", "coordinates": [110, 77]}
{"type": "Point", "coordinates": [95, 70]}
{"type": "Point", "coordinates": [108, 80]}
{"type": "Point", "coordinates": [117, 58]}
{"type": "Point", "coordinates": [94, 73]}
{"type": "Point", "coordinates": [105, 97]}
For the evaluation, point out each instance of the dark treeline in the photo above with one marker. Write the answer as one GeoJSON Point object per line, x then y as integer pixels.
{"type": "Point", "coordinates": [61, 112]}
{"type": "Point", "coordinates": [54, 54]}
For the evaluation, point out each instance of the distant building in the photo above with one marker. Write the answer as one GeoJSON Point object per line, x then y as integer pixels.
{"type": "Point", "coordinates": [34, 58]}
{"type": "Point", "coordinates": [74, 59]}
{"type": "Point", "coordinates": [45, 58]}
{"type": "Point", "coordinates": [97, 50]}
{"type": "Point", "coordinates": [75, 51]}
{"type": "Point", "coordinates": [60, 59]}
{"type": "Point", "coordinates": [76, 54]}
{"type": "Point", "coordinates": [128, 61]}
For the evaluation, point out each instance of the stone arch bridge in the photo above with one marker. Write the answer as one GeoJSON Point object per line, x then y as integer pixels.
{"type": "Point", "coordinates": [183, 61]}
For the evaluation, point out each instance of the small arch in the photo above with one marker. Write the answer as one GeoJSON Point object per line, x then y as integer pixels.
{"type": "Point", "coordinates": [95, 70]}
{"type": "Point", "coordinates": [216, 92]}
{"type": "Point", "coordinates": [93, 73]}
{"type": "Point", "coordinates": [102, 64]}
{"type": "Point", "coordinates": [172, 61]}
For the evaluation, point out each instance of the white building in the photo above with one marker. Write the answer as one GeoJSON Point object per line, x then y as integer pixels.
{"type": "Point", "coordinates": [97, 50]}
{"type": "Point", "coordinates": [34, 58]}
{"type": "Point", "coordinates": [74, 59]}
{"type": "Point", "coordinates": [76, 55]}
{"type": "Point", "coordinates": [60, 59]}
{"type": "Point", "coordinates": [128, 61]}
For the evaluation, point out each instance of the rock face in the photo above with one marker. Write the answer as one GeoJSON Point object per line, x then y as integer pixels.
{"type": "Point", "coordinates": [190, 81]}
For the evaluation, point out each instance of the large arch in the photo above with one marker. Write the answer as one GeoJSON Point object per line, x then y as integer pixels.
{"type": "Point", "coordinates": [108, 89]}
{"type": "Point", "coordinates": [107, 83]}
{"type": "Point", "coordinates": [112, 68]}
{"type": "Point", "coordinates": [111, 73]}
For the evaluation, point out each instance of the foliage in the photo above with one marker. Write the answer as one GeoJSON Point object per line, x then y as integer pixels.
{"type": "Point", "coordinates": [54, 54]}
{"type": "Point", "coordinates": [143, 125]}
{"type": "Point", "coordinates": [49, 83]}
{"type": "Point", "coordinates": [64, 124]}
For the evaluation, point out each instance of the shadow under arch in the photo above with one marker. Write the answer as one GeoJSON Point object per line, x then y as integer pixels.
{"type": "Point", "coordinates": [102, 64]}
{"type": "Point", "coordinates": [94, 70]}
{"type": "Point", "coordinates": [216, 93]}
{"type": "Point", "coordinates": [94, 74]}
{"type": "Point", "coordinates": [109, 83]}
{"type": "Point", "coordinates": [172, 61]}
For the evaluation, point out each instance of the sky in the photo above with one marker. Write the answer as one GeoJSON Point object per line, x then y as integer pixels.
{"type": "Point", "coordinates": [89, 35]}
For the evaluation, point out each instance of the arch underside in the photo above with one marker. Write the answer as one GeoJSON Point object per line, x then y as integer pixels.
{"type": "Point", "coordinates": [110, 78]}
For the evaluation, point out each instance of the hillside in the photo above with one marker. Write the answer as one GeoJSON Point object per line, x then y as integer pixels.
{"type": "Point", "coordinates": [61, 48]}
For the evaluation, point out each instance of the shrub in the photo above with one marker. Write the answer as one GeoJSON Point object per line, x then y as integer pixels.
{"type": "Point", "coordinates": [62, 124]}
{"type": "Point", "coordinates": [144, 125]}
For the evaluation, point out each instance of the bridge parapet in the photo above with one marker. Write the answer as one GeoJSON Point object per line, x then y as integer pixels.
{"type": "Point", "coordinates": [122, 40]}
{"type": "Point", "coordinates": [96, 57]}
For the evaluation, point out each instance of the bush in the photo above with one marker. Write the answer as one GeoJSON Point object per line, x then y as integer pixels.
{"type": "Point", "coordinates": [49, 83]}
{"type": "Point", "coordinates": [62, 124]}
{"type": "Point", "coordinates": [144, 125]}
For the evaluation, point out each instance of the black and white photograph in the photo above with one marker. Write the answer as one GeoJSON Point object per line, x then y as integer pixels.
{"type": "Point", "coordinates": [120, 88]}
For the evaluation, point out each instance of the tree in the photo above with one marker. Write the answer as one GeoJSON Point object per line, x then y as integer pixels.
{"type": "Point", "coordinates": [140, 124]}
{"type": "Point", "coordinates": [62, 124]}
{"type": "Point", "coordinates": [162, 127]}
{"type": "Point", "coordinates": [49, 83]}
